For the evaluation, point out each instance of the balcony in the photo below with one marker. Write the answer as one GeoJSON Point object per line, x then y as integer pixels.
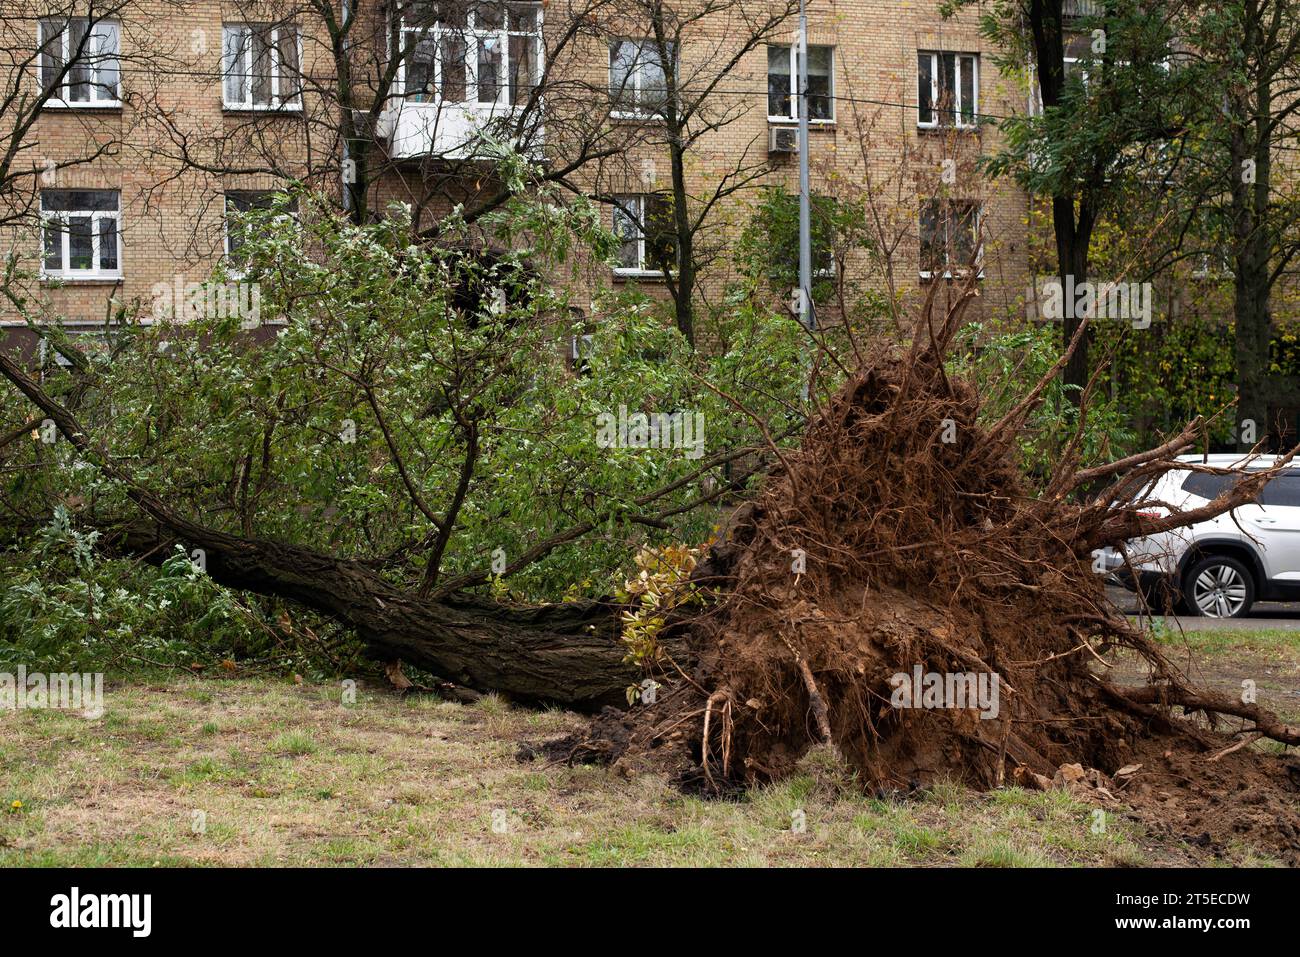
{"type": "Point", "coordinates": [468, 69]}
{"type": "Point", "coordinates": [432, 129]}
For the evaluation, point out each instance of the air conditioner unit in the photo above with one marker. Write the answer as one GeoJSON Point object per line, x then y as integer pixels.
{"type": "Point", "coordinates": [783, 139]}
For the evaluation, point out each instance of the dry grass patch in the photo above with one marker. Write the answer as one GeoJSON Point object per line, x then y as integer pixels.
{"type": "Point", "coordinates": [217, 772]}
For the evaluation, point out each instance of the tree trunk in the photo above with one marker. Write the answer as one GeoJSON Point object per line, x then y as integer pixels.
{"type": "Point", "coordinates": [1251, 339]}
{"type": "Point", "coordinates": [567, 654]}
{"type": "Point", "coordinates": [1250, 306]}
{"type": "Point", "coordinates": [1073, 237]}
{"type": "Point", "coordinates": [684, 284]}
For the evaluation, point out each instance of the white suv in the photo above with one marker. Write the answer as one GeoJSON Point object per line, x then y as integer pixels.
{"type": "Point", "coordinates": [1221, 567]}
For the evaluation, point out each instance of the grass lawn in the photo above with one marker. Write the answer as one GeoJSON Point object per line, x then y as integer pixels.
{"type": "Point", "coordinates": [1220, 660]}
{"type": "Point", "coordinates": [262, 772]}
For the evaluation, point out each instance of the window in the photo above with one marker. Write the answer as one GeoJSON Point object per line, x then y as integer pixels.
{"type": "Point", "coordinates": [484, 53]}
{"type": "Point", "coordinates": [92, 50]}
{"type": "Point", "coordinates": [1207, 485]}
{"type": "Point", "coordinates": [242, 201]}
{"type": "Point", "coordinates": [80, 237]}
{"type": "Point", "coordinates": [261, 66]}
{"type": "Point", "coordinates": [949, 237]}
{"type": "Point", "coordinates": [947, 89]}
{"type": "Point", "coordinates": [1216, 263]}
{"type": "Point", "coordinates": [775, 230]}
{"type": "Point", "coordinates": [1075, 9]}
{"type": "Point", "coordinates": [1283, 490]}
{"type": "Point", "coordinates": [644, 225]}
{"type": "Point", "coordinates": [1075, 69]}
{"type": "Point", "coordinates": [637, 84]}
{"type": "Point", "coordinates": [783, 81]}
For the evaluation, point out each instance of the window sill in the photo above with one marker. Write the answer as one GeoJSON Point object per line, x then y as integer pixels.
{"type": "Point", "coordinates": [65, 107]}
{"type": "Point", "coordinates": [227, 108]}
{"type": "Point", "coordinates": [788, 121]}
{"type": "Point", "coordinates": [621, 117]}
{"type": "Point", "coordinates": [632, 275]}
{"type": "Point", "coordinates": [948, 127]}
{"type": "Point", "coordinates": [75, 280]}
{"type": "Point", "coordinates": [475, 105]}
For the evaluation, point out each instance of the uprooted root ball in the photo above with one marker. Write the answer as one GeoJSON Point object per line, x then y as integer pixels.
{"type": "Point", "coordinates": [895, 591]}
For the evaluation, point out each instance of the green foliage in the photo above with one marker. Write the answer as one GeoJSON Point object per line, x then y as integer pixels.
{"type": "Point", "coordinates": [1177, 370]}
{"type": "Point", "coordinates": [1117, 99]}
{"type": "Point", "coordinates": [344, 423]}
{"type": "Point", "coordinates": [64, 607]}
{"type": "Point", "coordinates": [1284, 351]}
{"type": "Point", "coordinates": [1005, 364]}
{"type": "Point", "coordinates": [1159, 379]}
{"type": "Point", "coordinates": [1167, 375]}
{"type": "Point", "coordinates": [768, 248]}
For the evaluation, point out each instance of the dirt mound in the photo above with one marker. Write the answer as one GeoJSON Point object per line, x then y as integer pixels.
{"type": "Point", "coordinates": [897, 593]}
{"type": "Point", "coordinates": [1243, 797]}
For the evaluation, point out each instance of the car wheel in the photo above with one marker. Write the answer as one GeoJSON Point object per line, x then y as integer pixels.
{"type": "Point", "coordinates": [1219, 587]}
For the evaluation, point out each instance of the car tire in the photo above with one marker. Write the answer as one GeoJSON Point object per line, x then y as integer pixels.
{"type": "Point", "coordinates": [1219, 586]}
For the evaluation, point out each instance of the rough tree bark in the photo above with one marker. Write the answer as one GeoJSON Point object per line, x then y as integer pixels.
{"type": "Point", "coordinates": [566, 653]}
{"type": "Point", "coordinates": [1073, 212]}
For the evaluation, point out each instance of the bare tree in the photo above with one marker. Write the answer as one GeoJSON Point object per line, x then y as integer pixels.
{"type": "Point", "coordinates": [682, 72]}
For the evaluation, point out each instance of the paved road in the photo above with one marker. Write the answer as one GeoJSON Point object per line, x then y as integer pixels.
{"type": "Point", "coordinates": [1265, 614]}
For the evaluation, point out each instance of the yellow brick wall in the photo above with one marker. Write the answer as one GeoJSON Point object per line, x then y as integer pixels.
{"type": "Point", "coordinates": [172, 217]}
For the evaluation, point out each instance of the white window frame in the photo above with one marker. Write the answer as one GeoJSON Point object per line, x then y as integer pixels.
{"type": "Point", "coordinates": [1070, 63]}
{"type": "Point", "coordinates": [1036, 89]}
{"type": "Point", "coordinates": [936, 60]}
{"type": "Point", "coordinates": [64, 272]}
{"type": "Point", "coordinates": [277, 74]}
{"type": "Point", "coordinates": [99, 58]}
{"type": "Point", "coordinates": [473, 36]}
{"type": "Point", "coordinates": [635, 78]}
{"type": "Point", "coordinates": [627, 201]}
{"type": "Point", "coordinates": [976, 222]}
{"type": "Point", "coordinates": [792, 61]}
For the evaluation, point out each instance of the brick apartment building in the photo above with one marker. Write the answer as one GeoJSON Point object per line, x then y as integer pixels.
{"type": "Point", "coordinates": [179, 111]}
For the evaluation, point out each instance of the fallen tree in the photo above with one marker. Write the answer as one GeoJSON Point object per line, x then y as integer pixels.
{"type": "Point", "coordinates": [915, 551]}
{"type": "Point", "coordinates": [875, 551]}
{"type": "Point", "coordinates": [563, 653]}
{"type": "Point", "coordinates": [397, 452]}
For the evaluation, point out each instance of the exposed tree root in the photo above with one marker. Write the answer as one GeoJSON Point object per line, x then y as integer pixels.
{"type": "Point", "coordinates": [877, 551]}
